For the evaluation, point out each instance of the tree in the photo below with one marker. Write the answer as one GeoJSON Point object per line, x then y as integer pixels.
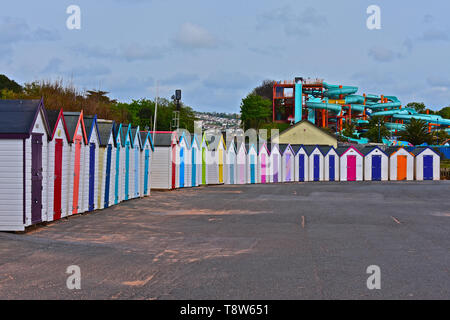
{"type": "Point", "coordinates": [376, 130]}
{"type": "Point", "coordinates": [445, 112]}
{"type": "Point", "coordinates": [416, 132]}
{"type": "Point", "coordinates": [255, 111]}
{"type": "Point", "coordinates": [349, 130]}
{"type": "Point", "coordinates": [418, 106]}
{"type": "Point", "coordinates": [440, 136]}
{"type": "Point", "coordinates": [265, 90]}
{"type": "Point", "coordinates": [8, 84]}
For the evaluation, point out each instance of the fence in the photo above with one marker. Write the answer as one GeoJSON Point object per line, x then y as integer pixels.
{"type": "Point", "coordinates": [445, 173]}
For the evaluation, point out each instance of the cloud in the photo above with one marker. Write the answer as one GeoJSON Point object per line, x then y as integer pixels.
{"type": "Point", "coordinates": [94, 51]}
{"type": "Point", "coordinates": [438, 82]}
{"type": "Point", "coordinates": [382, 54]}
{"type": "Point", "coordinates": [180, 79]}
{"type": "Point", "coordinates": [13, 30]}
{"type": "Point", "coordinates": [192, 36]}
{"type": "Point", "coordinates": [294, 24]}
{"type": "Point", "coordinates": [89, 71]}
{"type": "Point", "coordinates": [53, 66]}
{"type": "Point", "coordinates": [135, 52]}
{"type": "Point", "coordinates": [435, 35]}
{"type": "Point", "coordinates": [428, 18]}
{"type": "Point", "coordinates": [228, 80]}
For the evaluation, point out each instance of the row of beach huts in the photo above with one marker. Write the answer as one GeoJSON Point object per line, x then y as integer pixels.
{"type": "Point", "coordinates": [55, 164]}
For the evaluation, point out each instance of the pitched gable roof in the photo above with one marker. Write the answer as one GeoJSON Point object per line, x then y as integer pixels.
{"type": "Point", "coordinates": [163, 139]}
{"type": "Point", "coordinates": [105, 129]}
{"type": "Point", "coordinates": [73, 119]}
{"type": "Point", "coordinates": [90, 123]}
{"type": "Point", "coordinates": [341, 150]}
{"type": "Point", "coordinates": [17, 117]}
{"type": "Point", "coordinates": [53, 118]}
{"type": "Point", "coordinates": [419, 150]}
{"type": "Point", "coordinates": [368, 149]}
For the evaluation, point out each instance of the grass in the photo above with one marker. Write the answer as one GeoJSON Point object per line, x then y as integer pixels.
{"type": "Point", "coordinates": [445, 163]}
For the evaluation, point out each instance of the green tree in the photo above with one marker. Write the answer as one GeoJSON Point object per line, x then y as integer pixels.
{"type": "Point", "coordinates": [416, 132]}
{"type": "Point", "coordinates": [6, 83]}
{"type": "Point", "coordinates": [418, 106]}
{"type": "Point", "coordinates": [255, 111]}
{"type": "Point", "coordinates": [349, 130]}
{"type": "Point", "coordinates": [445, 112]}
{"type": "Point", "coordinates": [376, 130]}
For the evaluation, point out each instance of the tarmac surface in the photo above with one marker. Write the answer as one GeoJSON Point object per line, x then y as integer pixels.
{"type": "Point", "coordinates": [278, 241]}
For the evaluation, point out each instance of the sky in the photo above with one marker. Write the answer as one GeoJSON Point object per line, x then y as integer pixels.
{"type": "Point", "coordinates": [216, 52]}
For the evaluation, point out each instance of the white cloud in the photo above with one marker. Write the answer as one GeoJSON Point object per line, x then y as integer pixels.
{"type": "Point", "coordinates": [194, 37]}
{"type": "Point", "coordinates": [381, 54]}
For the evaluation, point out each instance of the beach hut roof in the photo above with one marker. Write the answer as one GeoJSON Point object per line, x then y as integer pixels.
{"type": "Point", "coordinates": [52, 119]}
{"type": "Point", "coordinates": [72, 119]}
{"type": "Point", "coordinates": [419, 150]}
{"type": "Point", "coordinates": [163, 139]}
{"type": "Point", "coordinates": [105, 128]}
{"type": "Point", "coordinates": [89, 123]}
{"type": "Point", "coordinates": [368, 149]}
{"type": "Point", "coordinates": [325, 149]}
{"type": "Point", "coordinates": [341, 150]}
{"type": "Point", "coordinates": [283, 147]}
{"type": "Point", "coordinates": [17, 117]}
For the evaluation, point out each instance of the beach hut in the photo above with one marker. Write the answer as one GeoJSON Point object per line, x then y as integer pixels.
{"type": "Point", "coordinates": [427, 164]}
{"type": "Point", "coordinates": [184, 161]}
{"type": "Point", "coordinates": [315, 163]}
{"type": "Point", "coordinates": [90, 180]}
{"type": "Point", "coordinates": [401, 164]}
{"type": "Point", "coordinates": [275, 163]}
{"type": "Point", "coordinates": [196, 161]}
{"type": "Point", "coordinates": [24, 136]}
{"type": "Point", "coordinates": [301, 163]}
{"type": "Point", "coordinates": [220, 158]}
{"type": "Point", "coordinates": [127, 144]}
{"type": "Point", "coordinates": [351, 163]}
{"type": "Point", "coordinates": [231, 163]}
{"type": "Point", "coordinates": [58, 165]}
{"type": "Point", "coordinates": [263, 172]}
{"type": "Point", "coordinates": [78, 140]}
{"type": "Point", "coordinates": [376, 164]}
{"type": "Point", "coordinates": [205, 159]}
{"type": "Point", "coordinates": [145, 163]}
{"type": "Point", "coordinates": [241, 163]}
{"type": "Point", "coordinates": [330, 163]}
{"type": "Point", "coordinates": [215, 156]}
{"type": "Point", "coordinates": [106, 163]}
{"type": "Point", "coordinates": [287, 163]}
{"type": "Point", "coordinates": [163, 169]}
{"type": "Point", "coordinates": [136, 173]}
{"type": "Point", "coordinates": [119, 164]}
{"type": "Point", "coordinates": [252, 163]}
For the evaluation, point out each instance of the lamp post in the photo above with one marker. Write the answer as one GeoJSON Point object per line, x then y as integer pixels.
{"type": "Point", "coordinates": [379, 130]}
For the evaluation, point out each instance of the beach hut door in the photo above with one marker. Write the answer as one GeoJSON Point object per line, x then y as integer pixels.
{"type": "Point", "coordinates": [137, 153]}
{"type": "Point", "coordinates": [427, 167]}
{"type": "Point", "coordinates": [91, 176]}
{"type": "Point", "coordinates": [263, 168]}
{"type": "Point", "coordinates": [288, 167]}
{"type": "Point", "coordinates": [275, 168]}
{"type": "Point", "coordinates": [108, 175]}
{"type": "Point", "coordinates": [181, 167]}
{"type": "Point", "coordinates": [376, 168]}
{"type": "Point", "coordinates": [127, 170]}
{"type": "Point", "coordinates": [76, 175]}
{"type": "Point", "coordinates": [332, 169]}
{"type": "Point", "coordinates": [36, 178]}
{"type": "Point", "coordinates": [316, 167]}
{"type": "Point", "coordinates": [351, 168]}
{"type": "Point", "coordinates": [252, 168]}
{"type": "Point", "coordinates": [147, 162]}
{"type": "Point", "coordinates": [194, 168]}
{"type": "Point", "coordinates": [401, 167]}
{"type": "Point", "coordinates": [58, 179]}
{"type": "Point", "coordinates": [301, 167]}
{"type": "Point", "coordinates": [116, 184]}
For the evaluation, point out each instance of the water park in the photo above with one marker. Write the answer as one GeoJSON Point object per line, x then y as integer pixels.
{"type": "Point", "coordinates": [335, 106]}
